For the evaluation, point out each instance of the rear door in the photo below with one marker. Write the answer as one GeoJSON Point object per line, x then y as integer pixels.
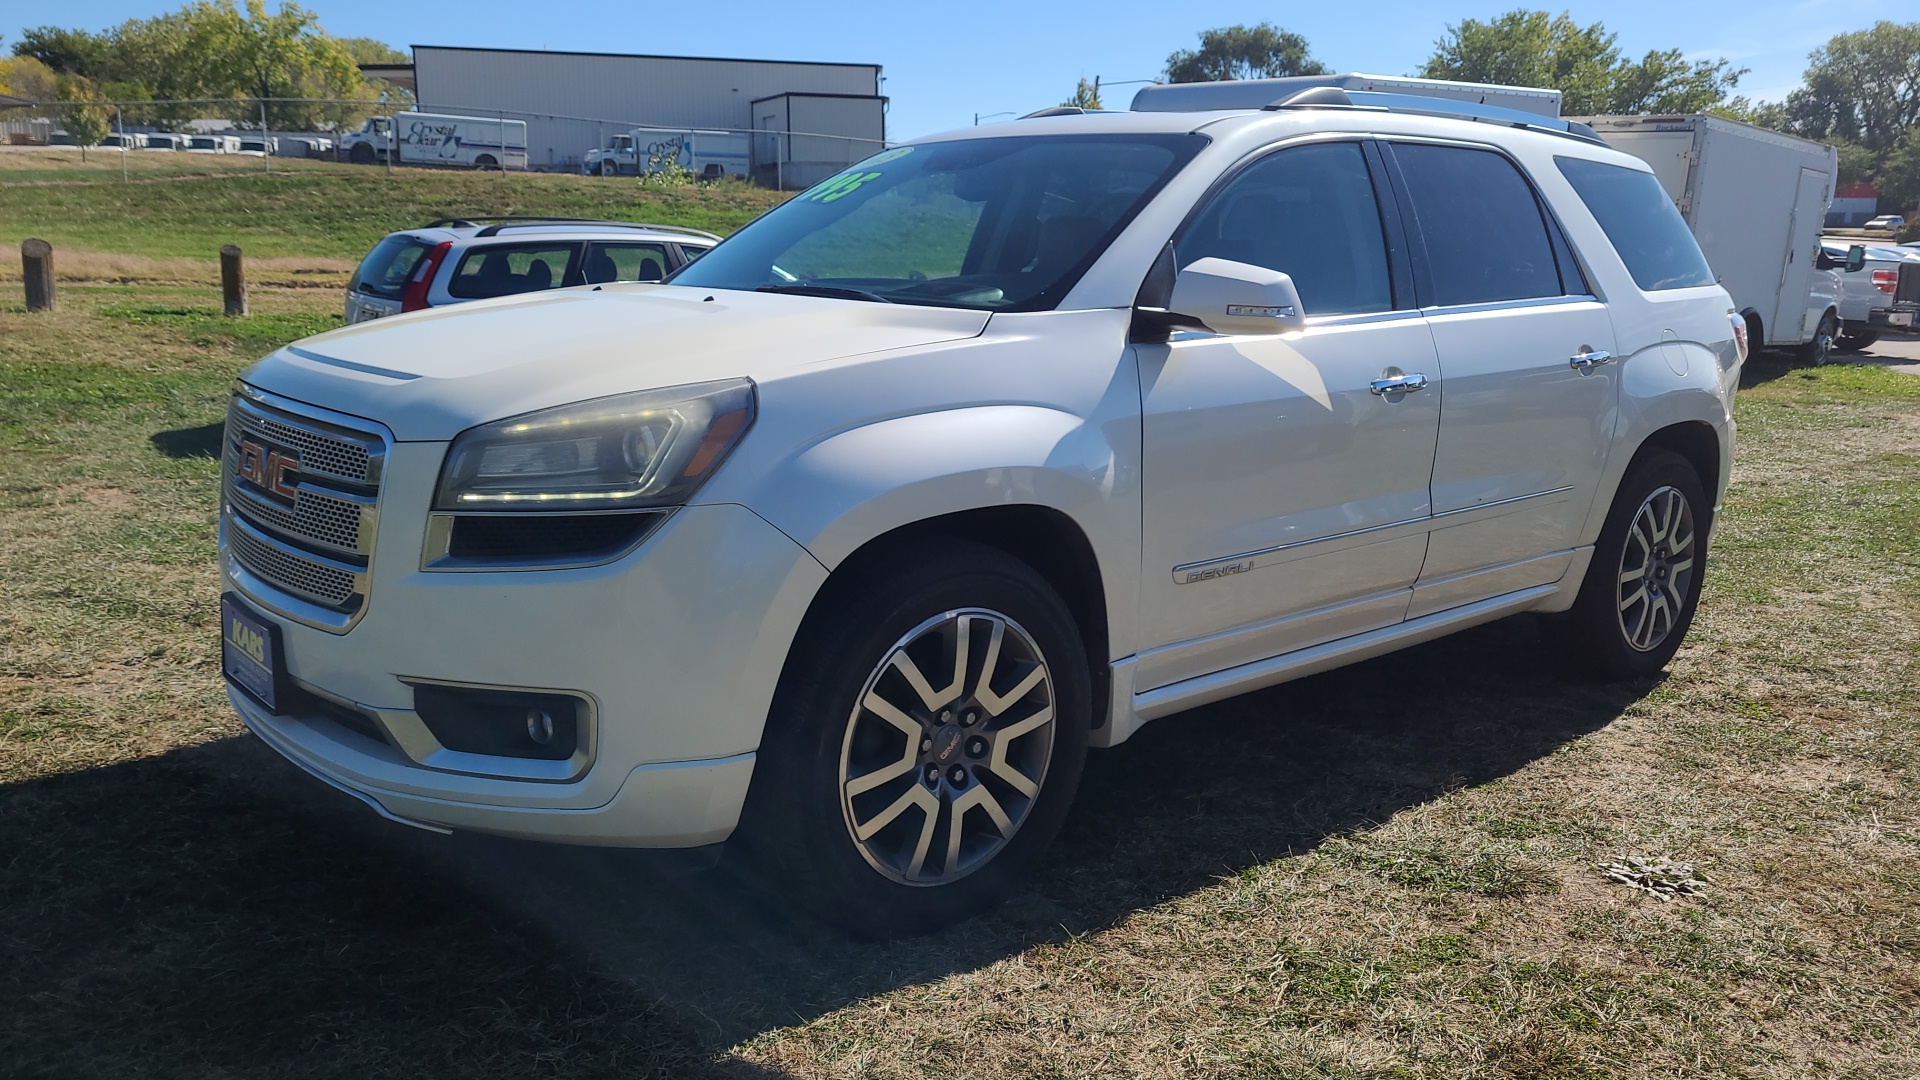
{"type": "Point", "coordinates": [1526, 429]}
{"type": "Point", "coordinates": [1285, 502]}
{"type": "Point", "coordinates": [1795, 316]}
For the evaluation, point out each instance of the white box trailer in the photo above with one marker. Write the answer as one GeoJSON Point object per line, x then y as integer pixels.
{"type": "Point", "coordinates": [414, 138]}
{"type": "Point", "coordinates": [1258, 93]}
{"type": "Point", "coordinates": [1756, 201]}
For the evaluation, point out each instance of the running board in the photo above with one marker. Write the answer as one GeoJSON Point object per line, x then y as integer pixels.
{"type": "Point", "coordinates": [1205, 689]}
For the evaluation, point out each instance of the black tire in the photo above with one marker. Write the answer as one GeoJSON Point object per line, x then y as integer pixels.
{"type": "Point", "coordinates": [486, 163]}
{"type": "Point", "coordinates": [798, 832]}
{"type": "Point", "coordinates": [1603, 628]}
{"type": "Point", "coordinates": [1855, 338]}
{"type": "Point", "coordinates": [361, 154]}
{"type": "Point", "coordinates": [1820, 349]}
{"type": "Point", "coordinates": [608, 168]}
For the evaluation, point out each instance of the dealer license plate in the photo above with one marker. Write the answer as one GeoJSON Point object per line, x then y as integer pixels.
{"type": "Point", "coordinates": [250, 652]}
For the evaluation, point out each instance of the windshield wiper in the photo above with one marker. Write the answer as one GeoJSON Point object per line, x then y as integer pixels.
{"type": "Point", "coordinates": [834, 291]}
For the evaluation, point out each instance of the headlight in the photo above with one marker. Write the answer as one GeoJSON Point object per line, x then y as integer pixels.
{"type": "Point", "coordinates": [653, 448]}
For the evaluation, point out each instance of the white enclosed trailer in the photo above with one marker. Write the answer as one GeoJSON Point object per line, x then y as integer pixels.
{"type": "Point", "coordinates": [1756, 201]}
{"type": "Point", "coordinates": [1258, 93]}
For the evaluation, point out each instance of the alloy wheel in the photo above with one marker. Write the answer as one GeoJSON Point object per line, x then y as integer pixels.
{"type": "Point", "coordinates": [1656, 568]}
{"type": "Point", "coordinates": [935, 780]}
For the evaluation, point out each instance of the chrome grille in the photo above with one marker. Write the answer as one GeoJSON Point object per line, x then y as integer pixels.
{"type": "Point", "coordinates": [304, 577]}
{"type": "Point", "coordinates": [300, 507]}
{"type": "Point", "coordinates": [338, 524]}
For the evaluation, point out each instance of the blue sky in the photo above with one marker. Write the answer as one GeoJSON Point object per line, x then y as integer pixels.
{"type": "Point", "coordinates": [946, 62]}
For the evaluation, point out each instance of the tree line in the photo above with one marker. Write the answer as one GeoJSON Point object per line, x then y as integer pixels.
{"type": "Point", "coordinates": [222, 56]}
{"type": "Point", "coordinates": [1861, 90]}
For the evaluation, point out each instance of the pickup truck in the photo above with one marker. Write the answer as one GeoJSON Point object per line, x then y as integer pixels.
{"type": "Point", "coordinates": [1871, 300]}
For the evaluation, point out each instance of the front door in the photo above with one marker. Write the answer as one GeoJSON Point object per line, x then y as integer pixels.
{"type": "Point", "coordinates": [1285, 502]}
{"type": "Point", "coordinates": [1527, 428]}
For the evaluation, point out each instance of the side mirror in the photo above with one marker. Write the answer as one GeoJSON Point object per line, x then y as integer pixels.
{"type": "Point", "coordinates": [1230, 297]}
{"type": "Point", "coordinates": [1856, 258]}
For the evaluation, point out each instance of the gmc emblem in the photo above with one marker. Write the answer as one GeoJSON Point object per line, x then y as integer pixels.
{"type": "Point", "coordinates": [267, 468]}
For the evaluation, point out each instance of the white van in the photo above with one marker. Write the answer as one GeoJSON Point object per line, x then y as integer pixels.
{"type": "Point", "coordinates": [413, 138]}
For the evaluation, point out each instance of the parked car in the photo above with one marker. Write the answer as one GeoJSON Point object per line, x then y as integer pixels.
{"type": "Point", "coordinates": [165, 140]}
{"type": "Point", "coordinates": [127, 140]}
{"type": "Point", "coordinates": [1869, 282]}
{"type": "Point", "coordinates": [257, 145]}
{"type": "Point", "coordinates": [847, 541]}
{"type": "Point", "coordinates": [456, 260]}
{"type": "Point", "coordinates": [1887, 223]}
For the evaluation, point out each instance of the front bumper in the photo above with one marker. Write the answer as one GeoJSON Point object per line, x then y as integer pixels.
{"type": "Point", "coordinates": [678, 646]}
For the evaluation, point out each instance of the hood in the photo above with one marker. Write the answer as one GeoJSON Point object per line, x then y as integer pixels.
{"type": "Point", "coordinates": [432, 374]}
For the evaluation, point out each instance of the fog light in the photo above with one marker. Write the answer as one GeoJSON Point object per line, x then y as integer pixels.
{"type": "Point", "coordinates": [540, 726]}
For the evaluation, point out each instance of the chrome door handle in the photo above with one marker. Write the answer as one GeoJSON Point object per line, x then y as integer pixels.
{"type": "Point", "coordinates": [1398, 384]}
{"type": "Point", "coordinates": [1585, 361]}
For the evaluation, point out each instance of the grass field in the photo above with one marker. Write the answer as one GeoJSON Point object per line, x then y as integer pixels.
{"type": "Point", "coordinates": [1387, 871]}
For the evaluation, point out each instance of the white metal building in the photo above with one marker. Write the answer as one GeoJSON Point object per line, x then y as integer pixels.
{"type": "Point", "coordinates": [827, 115]}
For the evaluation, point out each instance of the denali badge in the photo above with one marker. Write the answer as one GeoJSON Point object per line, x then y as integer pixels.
{"type": "Point", "coordinates": [1220, 570]}
{"type": "Point", "coordinates": [267, 469]}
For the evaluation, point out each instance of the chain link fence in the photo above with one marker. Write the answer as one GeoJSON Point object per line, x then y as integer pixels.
{"type": "Point", "coordinates": [771, 156]}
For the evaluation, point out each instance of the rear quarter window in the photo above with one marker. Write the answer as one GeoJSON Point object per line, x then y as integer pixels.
{"type": "Point", "coordinates": [1641, 223]}
{"type": "Point", "coordinates": [385, 270]}
{"type": "Point", "coordinates": [504, 271]}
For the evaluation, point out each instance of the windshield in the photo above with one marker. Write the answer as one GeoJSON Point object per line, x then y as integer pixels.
{"type": "Point", "coordinates": [1005, 224]}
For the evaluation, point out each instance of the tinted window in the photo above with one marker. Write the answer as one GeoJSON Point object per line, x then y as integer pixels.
{"type": "Point", "coordinates": [1641, 223]}
{"type": "Point", "coordinates": [384, 271]}
{"type": "Point", "coordinates": [503, 271]}
{"type": "Point", "coordinates": [999, 224]}
{"type": "Point", "coordinates": [1485, 237]}
{"type": "Point", "coordinates": [1310, 214]}
{"type": "Point", "coordinates": [608, 263]}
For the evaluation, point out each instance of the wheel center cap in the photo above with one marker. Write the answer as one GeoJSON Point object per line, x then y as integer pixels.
{"type": "Point", "coordinates": [946, 744]}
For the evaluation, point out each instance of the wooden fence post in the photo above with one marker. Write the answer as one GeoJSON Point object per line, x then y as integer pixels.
{"type": "Point", "coordinates": [36, 263]}
{"type": "Point", "coordinates": [233, 281]}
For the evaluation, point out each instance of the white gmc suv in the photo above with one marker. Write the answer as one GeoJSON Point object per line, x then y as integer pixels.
{"type": "Point", "coordinates": [850, 539]}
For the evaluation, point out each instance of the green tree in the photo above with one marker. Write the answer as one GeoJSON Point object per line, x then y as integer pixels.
{"type": "Point", "coordinates": [81, 113]}
{"type": "Point", "coordinates": [366, 50]}
{"type": "Point", "coordinates": [1665, 82]}
{"type": "Point", "coordinates": [1531, 48]}
{"type": "Point", "coordinates": [1263, 51]}
{"type": "Point", "coordinates": [69, 52]}
{"type": "Point", "coordinates": [276, 56]}
{"type": "Point", "coordinates": [1863, 87]}
{"type": "Point", "coordinates": [1899, 176]}
{"type": "Point", "coordinates": [1534, 48]}
{"type": "Point", "coordinates": [220, 58]}
{"type": "Point", "coordinates": [1085, 96]}
{"type": "Point", "coordinates": [26, 77]}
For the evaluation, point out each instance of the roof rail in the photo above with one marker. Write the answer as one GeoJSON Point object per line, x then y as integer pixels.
{"type": "Point", "coordinates": [513, 221]}
{"type": "Point", "coordinates": [1057, 110]}
{"type": "Point", "coordinates": [1322, 97]}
